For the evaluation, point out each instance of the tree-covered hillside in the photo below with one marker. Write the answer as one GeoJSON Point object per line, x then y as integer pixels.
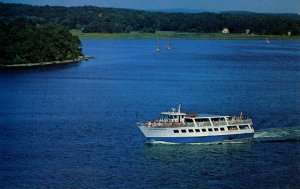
{"type": "Point", "coordinates": [111, 20]}
{"type": "Point", "coordinates": [22, 42]}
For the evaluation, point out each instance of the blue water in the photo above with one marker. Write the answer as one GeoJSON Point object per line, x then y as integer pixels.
{"type": "Point", "coordinates": [73, 126]}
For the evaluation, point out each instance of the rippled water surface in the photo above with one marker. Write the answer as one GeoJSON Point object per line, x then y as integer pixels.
{"type": "Point", "coordinates": [74, 126]}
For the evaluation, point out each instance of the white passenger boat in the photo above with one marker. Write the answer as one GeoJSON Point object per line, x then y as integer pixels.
{"type": "Point", "coordinates": [179, 127]}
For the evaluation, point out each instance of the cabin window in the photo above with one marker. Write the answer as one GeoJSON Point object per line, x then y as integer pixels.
{"type": "Point", "coordinates": [203, 130]}
{"type": "Point", "coordinates": [243, 127]}
{"type": "Point", "coordinates": [188, 120]}
{"type": "Point", "coordinates": [218, 119]}
{"type": "Point", "coordinates": [251, 126]}
{"type": "Point", "coordinates": [202, 120]}
{"type": "Point", "coordinates": [191, 130]}
{"type": "Point", "coordinates": [183, 131]}
{"type": "Point", "coordinates": [229, 118]}
{"type": "Point", "coordinates": [210, 130]}
{"type": "Point", "coordinates": [176, 131]}
{"type": "Point", "coordinates": [216, 129]}
{"type": "Point", "coordinates": [197, 130]}
{"type": "Point", "coordinates": [232, 128]}
{"type": "Point", "coordinates": [222, 129]}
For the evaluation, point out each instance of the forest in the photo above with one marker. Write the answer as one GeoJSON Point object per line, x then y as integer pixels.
{"type": "Point", "coordinates": [22, 42]}
{"type": "Point", "coordinates": [113, 20]}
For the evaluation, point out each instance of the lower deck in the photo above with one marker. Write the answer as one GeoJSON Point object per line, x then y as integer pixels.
{"type": "Point", "coordinates": [197, 134]}
{"type": "Point", "coordinates": [202, 139]}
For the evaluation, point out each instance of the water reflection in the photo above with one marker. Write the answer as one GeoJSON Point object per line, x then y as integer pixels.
{"type": "Point", "coordinates": [198, 165]}
{"type": "Point", "coordinates": [46, 68]}
{"type": "Point", "coordinates": [179, 152]}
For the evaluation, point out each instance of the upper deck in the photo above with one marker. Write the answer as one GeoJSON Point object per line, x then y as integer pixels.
{"type": "Point", "coordinates": [199, 122]}
{"type": "Point", "coordinates": [178, 119]}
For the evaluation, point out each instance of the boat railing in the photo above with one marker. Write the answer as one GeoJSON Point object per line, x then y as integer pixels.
{"type": "Point", "coordinates": [240, 121]}
{"type": "Point", "coordinates": [164, 124]}
{"type": "Point", "coordinates": [219, 123]}
{"type": "Point", "coordinates": [203, 124]}
{"type": "Point", "coordinates": [189, 124]}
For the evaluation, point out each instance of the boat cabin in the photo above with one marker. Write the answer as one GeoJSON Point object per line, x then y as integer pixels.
{"type": "Point", "coordinates": [174, 116]}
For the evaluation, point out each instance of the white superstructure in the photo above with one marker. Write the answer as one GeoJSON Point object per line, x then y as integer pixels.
{"type": "Point", "coordinates": [179, 127]}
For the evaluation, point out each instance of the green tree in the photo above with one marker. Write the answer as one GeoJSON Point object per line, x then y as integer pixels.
{"type": "Point", "coordinates": [21, 42]}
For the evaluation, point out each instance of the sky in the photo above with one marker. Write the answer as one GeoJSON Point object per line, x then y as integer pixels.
{"type": "Point", "coordinates": [261, 6]}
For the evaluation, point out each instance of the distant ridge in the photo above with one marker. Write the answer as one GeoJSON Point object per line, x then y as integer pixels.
{"type": "Point", "coordinates": [179, 10]}
{"type": "Point", "coordinates": [248, 12]}
{"type": "Point", "coordinates": [183, 10]}
{"type": "Point", "coordinates": [91, 19]}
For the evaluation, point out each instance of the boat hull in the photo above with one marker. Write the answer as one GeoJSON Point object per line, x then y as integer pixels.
{"type": "Point", "coordinates": [202, 139]}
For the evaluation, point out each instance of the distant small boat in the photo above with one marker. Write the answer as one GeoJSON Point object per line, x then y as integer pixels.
{"type": "Point", "coordinates": [169, 47]}
{"type": "Point", "coordinates": [267, 40]}
{"type": "Point", "coordinates": [158, 46]}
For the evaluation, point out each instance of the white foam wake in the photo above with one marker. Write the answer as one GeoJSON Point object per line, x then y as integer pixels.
{"type": "Point", "coordinates": [278, 134]}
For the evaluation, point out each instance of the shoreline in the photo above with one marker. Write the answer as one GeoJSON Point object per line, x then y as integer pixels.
{"type": "Point", "coordinates": [181, 35]}
{"type": "Point", "coordinates": [29, 65]}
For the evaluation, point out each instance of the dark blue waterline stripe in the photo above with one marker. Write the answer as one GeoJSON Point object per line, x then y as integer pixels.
{"type": "Point", "coordinates": [202, 138]}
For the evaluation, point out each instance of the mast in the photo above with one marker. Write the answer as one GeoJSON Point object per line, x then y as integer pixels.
{"type": "Point", "coordinates": [179, 108]}
{"type": "Point", "coordinates": [158, 46]}
{"type": "Point", "coordinates": [169, 47]}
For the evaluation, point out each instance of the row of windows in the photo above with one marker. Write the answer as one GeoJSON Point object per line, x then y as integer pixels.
{"type": "Point", "coordinates": [198, 130]}
{"type": "Point", "coordinates": [230, 128]}
{"type": "Point", "coordinates": [205, 120]}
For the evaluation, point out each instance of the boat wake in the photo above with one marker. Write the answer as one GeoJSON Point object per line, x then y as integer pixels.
{"type": "Point", "coordinates": [288, 134]}
{"type": "Point", "coordinates": [153, 142]}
